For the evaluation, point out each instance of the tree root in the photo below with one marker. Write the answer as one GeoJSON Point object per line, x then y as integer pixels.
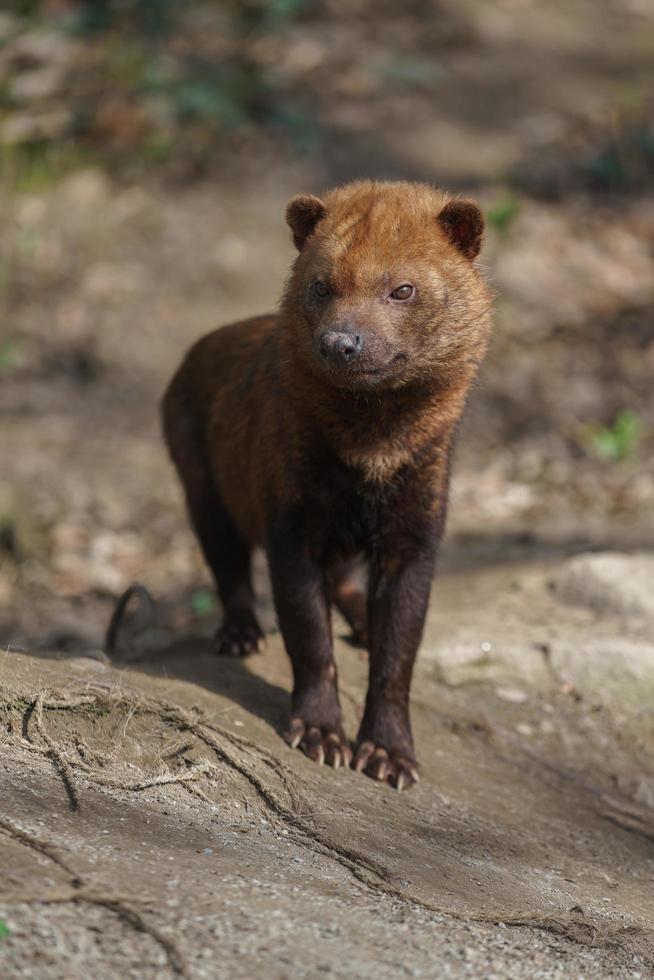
{"type": "Point", "coordinates": [30, 839]}
{"type": "Point", "coordinates": [80, 894]}
{"type": "Point", "coordinates": [66, 764]}
{"type": "Point", "coordinates": [120, 907]}
{"type": "Point", "coordinates": [230, 749]}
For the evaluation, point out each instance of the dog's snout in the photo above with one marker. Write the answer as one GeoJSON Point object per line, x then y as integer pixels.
{"type": "Point", "coordinates": [341, 345]}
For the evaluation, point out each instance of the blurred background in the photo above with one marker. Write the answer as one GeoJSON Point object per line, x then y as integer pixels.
{"type": "Point", "coordinates": [147, 150]}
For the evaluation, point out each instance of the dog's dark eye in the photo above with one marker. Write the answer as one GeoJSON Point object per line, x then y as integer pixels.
{"type": "Point", "coordinates": [321, 289]}
{"type": "Point", "coordinates": [403, 292]}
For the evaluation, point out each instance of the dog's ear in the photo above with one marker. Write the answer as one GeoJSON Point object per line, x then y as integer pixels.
{"type": "Point", "coordinates": [463, 223]}
{"type": "Point", "coordinates": [303, 213]}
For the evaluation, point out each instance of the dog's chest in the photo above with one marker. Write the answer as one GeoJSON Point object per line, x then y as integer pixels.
{"type": "Point", "coordinates": [347, 511]}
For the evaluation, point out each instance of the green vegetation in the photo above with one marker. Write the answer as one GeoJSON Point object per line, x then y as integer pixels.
{"type": "Point", "coordinates": [136, 84]}
{"type": "Point", "coordinates": [203, 603]}
{"type": "Point", "coordinates": [501, 213]}
{"type": "Point", "coordinates": [616, 442]}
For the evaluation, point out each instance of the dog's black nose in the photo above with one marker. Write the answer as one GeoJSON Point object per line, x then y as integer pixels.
{"type": "Point", "coordinates": [340, 346]}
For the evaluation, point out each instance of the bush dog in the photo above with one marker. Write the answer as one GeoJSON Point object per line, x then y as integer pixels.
{"type": "Point", "coordinates": [324, 433]}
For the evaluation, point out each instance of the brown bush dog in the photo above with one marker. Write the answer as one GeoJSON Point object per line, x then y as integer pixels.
{"type": "Point", "coordinates": [324, 433]}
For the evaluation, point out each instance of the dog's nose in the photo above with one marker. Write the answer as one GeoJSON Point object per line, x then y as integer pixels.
{"type": "Point", "coordinates": [341, 346]}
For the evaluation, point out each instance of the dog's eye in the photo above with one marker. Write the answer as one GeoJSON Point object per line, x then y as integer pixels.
{"type": "Point", "coordinates": [403, 292]}
{"type": "Point", "coordinates": [321, 289]}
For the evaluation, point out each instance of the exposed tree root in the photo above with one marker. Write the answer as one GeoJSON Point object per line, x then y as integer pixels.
{"type": "Point", "coordinates": [30, 839]}
{"type": "Point", "coordinates": [57, 754]}
{"type": "Point", "coordinates": [146, 604]}
{"type": "Point", "coordinates": [120, 907]}
{"type": "Point", "coordinates": [628, 817]}
{"type": "Point", "coordinates": [165, 780]}
{"type": "Point", "coordinates": [293, 812]}
{"type": "Point", "coordinates": [81, 894]}
{"type": "Point", "coordinates": [66, 764]}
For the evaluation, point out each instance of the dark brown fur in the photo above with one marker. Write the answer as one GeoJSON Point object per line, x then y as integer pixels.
{"type": "Point", "coordinates": [324, 434]}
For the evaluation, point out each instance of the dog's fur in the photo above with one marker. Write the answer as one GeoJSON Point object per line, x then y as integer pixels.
{"type": "Point", "coordinates": [339, 467]}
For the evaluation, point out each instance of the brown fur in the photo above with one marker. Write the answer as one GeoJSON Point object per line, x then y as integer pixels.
{"type": "Point", "coordinates": [332, 458]}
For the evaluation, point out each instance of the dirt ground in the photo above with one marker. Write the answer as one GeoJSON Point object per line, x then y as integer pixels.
{"type": "Point", "coordinates": [152, 821]}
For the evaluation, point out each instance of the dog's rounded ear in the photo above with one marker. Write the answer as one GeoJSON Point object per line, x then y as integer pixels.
{"type": "Point", "coordinates": [303, 213]}
{"type": "Point", "coordinates": [463, 223]}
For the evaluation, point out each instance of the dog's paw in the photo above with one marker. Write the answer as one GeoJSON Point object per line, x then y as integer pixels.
{"type": "Point", "coordinates": [326, 746]}
{"type": "Point", "coordinates": [387, 765]}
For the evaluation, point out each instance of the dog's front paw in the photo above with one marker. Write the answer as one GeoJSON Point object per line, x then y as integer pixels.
{"type": "Point", "coordinates": [386, 764]}
{"type": "Point", "coordinates": [324, 744]}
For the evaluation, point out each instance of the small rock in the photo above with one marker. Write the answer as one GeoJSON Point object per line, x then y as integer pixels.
{"type": "Point", "coordinates": [644, 792]}
{"type": "Point", "coordinates": [501, 663]}
{"type": "Point", "coordinates": [86, 189]}
{"type": "Point", "coordinates": [33, 49]}
{"type": "Point", "coordinates": [609, 583]}
{"type": "Point", "coordinates": [38, 84]}
{"type": "Point", "coordinates": [24, 127]}
{"type": "Point", "coordinates": [610, 670]}
{"type": "Point", "coordinates": [513, 694]}
{"type": "Point", "coordinates": [115, 560]}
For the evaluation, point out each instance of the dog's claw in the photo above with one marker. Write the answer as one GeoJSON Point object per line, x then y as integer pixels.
{"type": "Point", "coordinates": [325, 747]}
{"type": "Point", "coordinates": [385, 765]}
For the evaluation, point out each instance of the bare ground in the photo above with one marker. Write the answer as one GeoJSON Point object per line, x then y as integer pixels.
{"type": "Point", "coordinates": [152, 814]}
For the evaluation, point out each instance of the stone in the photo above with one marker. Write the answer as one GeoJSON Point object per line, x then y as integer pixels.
{"type": "Point", "coordinates": [506, 664]}
{"type": "Point", "coordinates": [610, 670]}
{"type": "Point", "coordinates": [515, 695]}
{"type": "Point", "coordinates": [609, 583]}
